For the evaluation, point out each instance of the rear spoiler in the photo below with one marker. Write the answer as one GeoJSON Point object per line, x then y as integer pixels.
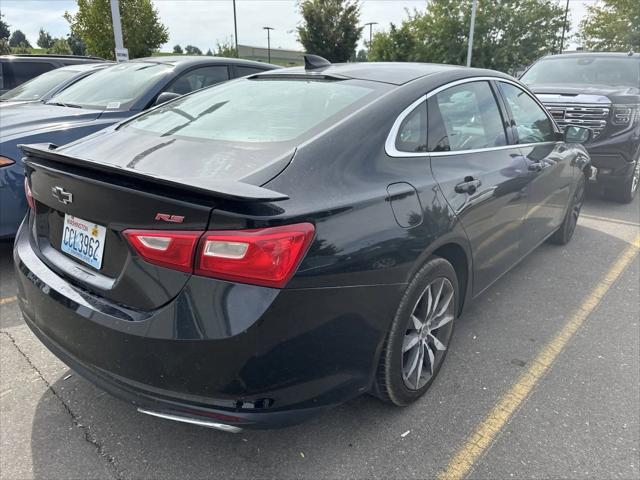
{"type": "Point", "coordinates": [231, 190]}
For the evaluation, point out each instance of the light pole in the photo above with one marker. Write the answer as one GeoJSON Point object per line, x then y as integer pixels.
{"type": "Point", "coordinates": [235, 28]}
{"type": "Point", "coordinates": [370, 24]}
{"type": "Point", "coordinates": [564, 25]}
{"type": "Point", "coordinates": [121, 52]}
{"type": "Point", "coordinates": [471, 29]}
{"type": "Point", "coordinates": [268, 29]}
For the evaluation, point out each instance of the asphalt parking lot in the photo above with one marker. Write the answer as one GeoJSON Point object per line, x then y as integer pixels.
{"type": "Point", "coordinates": [581, 418]}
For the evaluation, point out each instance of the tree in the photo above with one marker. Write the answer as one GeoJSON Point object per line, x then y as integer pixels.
{"type": "Point", "coordinates": [191, 50]}
{"type": "Point", "coordinates": [60, 46]}
{"type": "Point", "coordinates": [5, 49]}
{"type": "Point", "coordinates": [209, 53]}
{"type": "Point", "coordinates": [142, 30]}
{"type": "Point", "coordinates": [4, 29]}
{"type": "Point", "coordinates": [361, 56]}
{"type": "Point", "coordinates": [76, 45]}
{"type": "Point", "coordinates": [508, 33]}
{"type": "Point", "coordinates": [612, 25]}
{"type": "Point", "coordinates": [44, 39]}
{"type": "Point", "coordinates": [177, 49]}
{"type": "Point", "coordinates": [330, 28]}
{"type": "Point", "coordinates": [18, 39]}
{"type": "Point", "coordinates": [225, 49]}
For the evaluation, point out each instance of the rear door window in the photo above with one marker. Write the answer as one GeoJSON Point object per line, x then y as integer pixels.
{"type": "Point", "coordinates": [199, 78]}
{"type": "Point", "coordinates": [412, 134]}
{"type": "Point", "coordinates": [470, 118]}
{"type": "Point", "coordinates": [23, 71]}
{"type": "Point", "coordinates": [533, 125]}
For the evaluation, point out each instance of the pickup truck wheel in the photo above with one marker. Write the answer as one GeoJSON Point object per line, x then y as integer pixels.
{"type": "Point", "coordinates": [628, 189]}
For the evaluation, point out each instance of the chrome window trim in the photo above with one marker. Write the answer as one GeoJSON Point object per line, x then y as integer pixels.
{"type": "Point", "coordinates": [390, 144]}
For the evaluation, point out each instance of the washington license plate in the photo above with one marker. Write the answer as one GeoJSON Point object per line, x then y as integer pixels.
{"type": "Point", "coordinates": [83, 240]}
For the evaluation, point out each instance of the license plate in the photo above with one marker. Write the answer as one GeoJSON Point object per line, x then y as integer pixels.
{"type": "Point", "coordinates": [83, 240]}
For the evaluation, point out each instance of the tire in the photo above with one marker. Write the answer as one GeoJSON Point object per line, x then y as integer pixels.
{"type": "Point", "coordinates": [563, 235]}
{"type": "Point", "coordinates": [392, 384]}
{"type": "Point", "coordinates": [628, 189]}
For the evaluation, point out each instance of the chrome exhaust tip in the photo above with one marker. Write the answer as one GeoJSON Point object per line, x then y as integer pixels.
{"type": "Point", "coordinates": [192, 421]}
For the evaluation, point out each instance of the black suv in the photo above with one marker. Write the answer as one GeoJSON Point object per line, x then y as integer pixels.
{"type": "Point", "coordinates": [600, 91]}
{"type": "Point", "coordinates": [17, 69]}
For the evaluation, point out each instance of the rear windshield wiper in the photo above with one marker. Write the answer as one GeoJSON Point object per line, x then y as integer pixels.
{"type": "Point", "coordinates": [60, 104]}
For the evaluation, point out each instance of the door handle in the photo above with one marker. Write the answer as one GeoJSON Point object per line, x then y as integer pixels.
{"type": "Point", "coordinates": [536, 167]}
{"type": "Point", "coordinates": [470, 185]}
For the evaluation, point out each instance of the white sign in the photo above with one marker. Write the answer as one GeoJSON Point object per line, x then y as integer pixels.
{"type": "Point", "coordinates": [122, 54]}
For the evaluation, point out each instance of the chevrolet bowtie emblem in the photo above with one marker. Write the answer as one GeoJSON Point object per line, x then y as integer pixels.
{"type": "Point", "coordinates": [62, 195]}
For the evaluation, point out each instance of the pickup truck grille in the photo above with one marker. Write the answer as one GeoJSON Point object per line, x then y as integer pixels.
{"type": "Point", "coordinates": [594, 117]}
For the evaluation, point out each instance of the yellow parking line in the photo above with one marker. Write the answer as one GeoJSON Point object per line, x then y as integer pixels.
{"type": "Point", "coordinates": [483, 435]}
{"type": "Point", "coordinates": [610, 220]}
{"type": "Point", "coordinates": [8, 300]}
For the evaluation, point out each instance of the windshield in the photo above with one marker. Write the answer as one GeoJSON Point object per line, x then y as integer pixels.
{"type": "Point", "coordinates": [39, 86]}
{"type": "Point", "coordinates": [255, 111]}
{"type": "Point", "coordinates": [114, 88]}
{"type": "Point", "coordinates": [587, 70]}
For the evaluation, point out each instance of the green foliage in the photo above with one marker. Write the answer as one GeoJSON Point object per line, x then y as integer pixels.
{"type": "Point", "coordinates": [44, 39]}
{"type": "Point", "coordinates": [5, 49]}
{"type": "Point", "coordinates": [4, 29]}
{"type": "Point", "coordinates": [508, 33]}
{"type": "Point", "coordinates": [361, 56]}
{"type": "Point", "coordinates": [225, 49]}
{"type": "Point", "coordinates": [142, 30]}
{"type": "Point", "coordinates": [19, 40]}
{"type": "Point", "coordinates": [23, 48]}
{"type": "Point", "coordinates": [76, 45]}
{"type": "Point", "coordinates": [330, 28]}
{"type": "Point", "coordinates": [613, 25]}
{"type": "Point", "coordinates": [178, 49]}
{"type": "Point", "coordinates": [209, 53]}
{"type": "Point", "coordinates": [60, 47]}
{"type": "Point", "coordinates": [191, 50]}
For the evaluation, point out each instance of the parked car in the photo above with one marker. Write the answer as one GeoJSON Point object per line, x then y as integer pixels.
{"type": "Point", "coordinates": [600, 91]}
{"type": "Point", "coordinates": [17, 69]}
{"type": "Point", "coordinates": [45, 86]}
{"type": "Point", "coordinates": [109, 96]}
{"type": "Point", "coordinates": [248, 255]}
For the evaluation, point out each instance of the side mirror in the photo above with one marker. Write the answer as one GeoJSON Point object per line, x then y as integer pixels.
{"type": "Point", "coordinates": [164, 97]}
{"type": "Point", "coordinates": [576, 134]}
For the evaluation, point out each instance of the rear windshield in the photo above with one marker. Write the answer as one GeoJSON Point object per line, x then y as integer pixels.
{"type": "Point", "coordinates": [255, 111]}
{"type": "Point", "coordinates": [39, 86]}
{"type": "Point", "coordinates": [114, 88]}
{"type": "Point", "coordinates": [587, 70]}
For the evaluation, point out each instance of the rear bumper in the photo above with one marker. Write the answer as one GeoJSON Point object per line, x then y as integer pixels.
{"type": "Point", "coordinates": [283, 357]}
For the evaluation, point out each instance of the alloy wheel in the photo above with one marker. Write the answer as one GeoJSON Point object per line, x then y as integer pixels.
{"type": "Point", "coordinates": [636, 177]}
{"type": "Point", "coordinates": [578, 201]}
{"type": "Point", "coordinates": [428, 332]}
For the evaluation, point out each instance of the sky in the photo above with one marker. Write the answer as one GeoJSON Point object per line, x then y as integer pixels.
{"type": "Point", "coordinates": [204, 23]}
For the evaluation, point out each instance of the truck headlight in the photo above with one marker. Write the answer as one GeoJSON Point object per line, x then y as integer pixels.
{"type": "Point", "coordinates": [624, 114]}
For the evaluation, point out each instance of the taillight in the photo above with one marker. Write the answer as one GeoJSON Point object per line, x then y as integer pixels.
{"type": "Point", "coordinates": [266, 256]}
{"type": "Point", "coordinates": [28, 194]}
{"type": "Point", "coordinates": [171, 249]}
{"type": "Point", "coordinates": [5, 161]}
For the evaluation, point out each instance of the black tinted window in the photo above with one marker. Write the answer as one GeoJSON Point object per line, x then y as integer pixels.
{"type": "Point", "coordinates": [470, 117]}
{"type": "Point", "coordinates": [412, 134]}
{"type": "Point", "coordinates": [532, 123]}
{"type": "Point", "coordinates": [199, 78]}
{"type": "Point", "coordinates": [244, 71]}
{"type": "Point", "coordinates": [23, 71]}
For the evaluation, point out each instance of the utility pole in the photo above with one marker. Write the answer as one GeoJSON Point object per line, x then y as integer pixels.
{"type": "Point", "coordinates": [122, 53]}
{"type": "Point", "coordinates": [235, 28]}
{"type": "Point", "coordinates": [370, 24]}
{"type": "Point", "coordinates": [471, 29]}
{"type": "Point", "coordinates": [268, 29]}
{"type": "Point", "coordinates": [564, 25]}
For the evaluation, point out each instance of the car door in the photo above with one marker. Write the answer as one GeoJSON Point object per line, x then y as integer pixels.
{"type": "Point", "coordinates": [549, 164]}
{"type": "Point", "coordinates": [481, 174]}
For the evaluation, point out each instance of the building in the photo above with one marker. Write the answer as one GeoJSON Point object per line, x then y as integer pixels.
{"type": "Point", "coordinates": [278, 55]}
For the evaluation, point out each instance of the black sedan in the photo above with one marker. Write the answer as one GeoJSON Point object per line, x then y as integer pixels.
{"type": "Point", "coordinates": [250, 254]}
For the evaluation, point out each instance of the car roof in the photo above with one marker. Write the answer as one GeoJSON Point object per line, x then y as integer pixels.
{"type": "Point", "coordinates": [26, 57]}
{"type": "Point", "coordinates": [395, 73]}
{"type": "Point", "coordinates": [190, 60]}
{"type": "Point", "coordinates": [578, 54]}
{"type": "Point", "coordinates": [81, 67]}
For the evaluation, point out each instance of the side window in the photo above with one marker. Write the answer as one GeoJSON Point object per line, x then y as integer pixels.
{"type": "Point", "coordinates": [244, 71]}
{"type": "Point", "coordinates": [469, 118]}
{"type": "Point", "coordinates": [199, 78]}
{"type": "Point", "coordinates": [23, 71]}
{"type": "Point", "coordinates": [532, 123]}
{"type": "Point", "coordinates": [412, 134]}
